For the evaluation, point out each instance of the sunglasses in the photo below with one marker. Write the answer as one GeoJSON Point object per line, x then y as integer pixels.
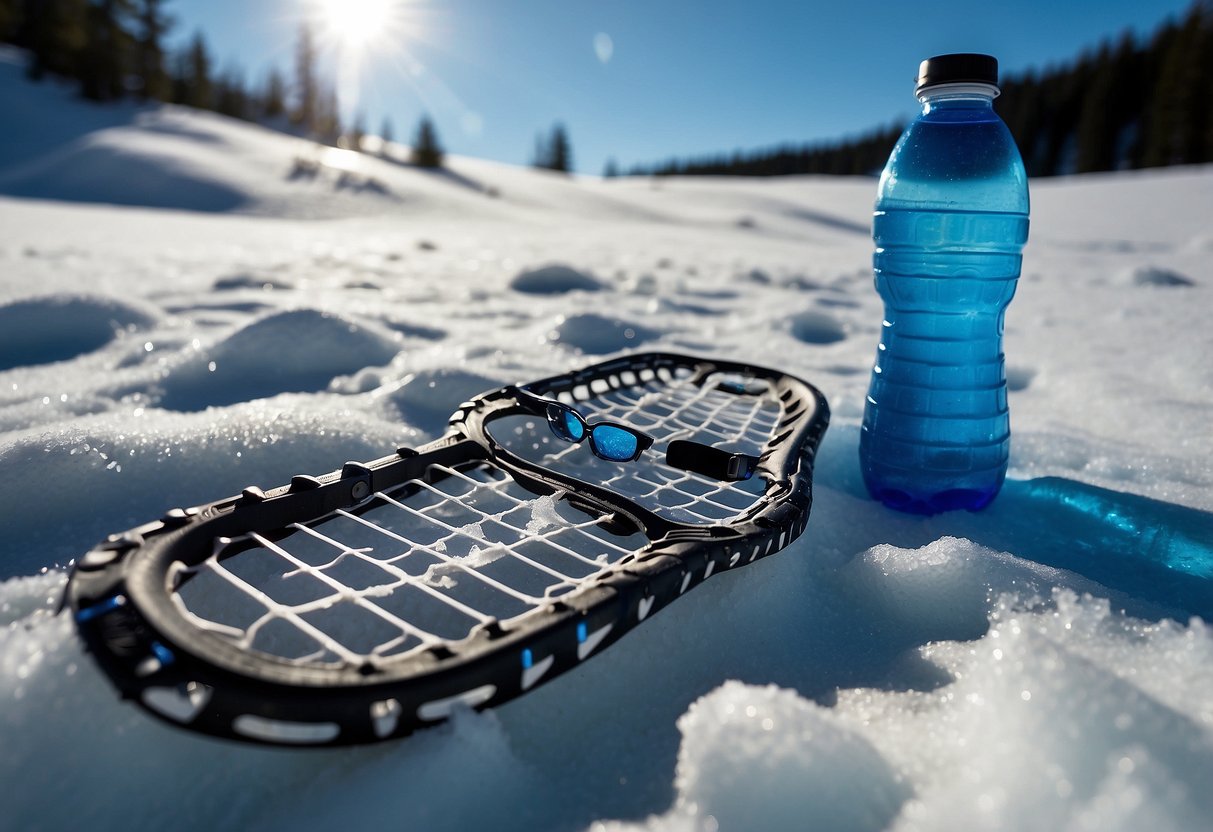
{"type": "Point", "coordinates": [608, 440]}
{"type": "Point", "coordinates": [616, 442]}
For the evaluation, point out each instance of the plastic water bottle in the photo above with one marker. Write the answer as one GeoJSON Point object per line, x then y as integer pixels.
{"type": "Point", "coordinates": [951, 220]}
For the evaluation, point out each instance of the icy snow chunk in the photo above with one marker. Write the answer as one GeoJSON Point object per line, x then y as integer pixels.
{"type": "Point", "coordinates": [556, 279]}
{"type": "Point", "coordinates": [287, 352]}
{"type": "Point", "coordinates": [815, 327]}
{"type": "Point", "coordinates": [1045, 714]}
{"type": "Point", "coordinates": [765, 758]}
{"type": "Point", "coordinates": [597, 335]}
{"type": "Point", "coordinates": [543, 514]}
{"type": "Point", "coordinates": [59, 327]}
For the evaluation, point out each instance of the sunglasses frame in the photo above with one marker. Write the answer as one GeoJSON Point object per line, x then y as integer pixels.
{"type": "Point", "coordinates": [557, 411]}
{"type": "Point", "coordinates": [705, 460]}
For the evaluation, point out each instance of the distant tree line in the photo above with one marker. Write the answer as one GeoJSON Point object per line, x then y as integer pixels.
{"type": "Point", "coordinates": [114, 49]}
{"type": "Point", "coordinates": [1127, 104]}
{"type": "Point", "coordinates": [842, 158]}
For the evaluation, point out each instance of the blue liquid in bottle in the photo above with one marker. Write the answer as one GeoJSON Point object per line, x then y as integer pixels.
{"type": "Point", "coordinates": [951, 220]}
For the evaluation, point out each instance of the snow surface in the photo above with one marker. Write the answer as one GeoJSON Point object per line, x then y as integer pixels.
{"type": "Point", "coordinates": [189, 305]}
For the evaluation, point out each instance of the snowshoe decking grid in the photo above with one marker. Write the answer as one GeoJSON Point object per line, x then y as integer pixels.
{"type": "Point", "coordinates": [425, 564]}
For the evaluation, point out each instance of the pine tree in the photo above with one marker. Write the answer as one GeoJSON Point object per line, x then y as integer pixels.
{"type": "Point", "coordinates": [357, 133]}
{"type": "Point", "coordinates": [554, 151]}
{"type": "Point", "coordinates": [231, 98]}
{"type": "Point", "coordinates": [562, 151]}
{"type": "Point", "coordinates": [1177, 117]}
{"type": "Point", "coordinates": [178, 76]}
{"type": "Point", "coordinates": [542, 154]}
{"type": "Point", "coordinates": [1097, 120]}
{"type": "Point", "coordinates": [385, 134]}
{"type": "Point", "coordinates": [10, 19]}
{"type": "Point", "coordinates": [306, 87]}
{"type": "Point", "coordinates": [149, 55]}
{"type": "Point", "coordinates": [611, 169]}
{"type": "Point", "coordinates": [327, 120]}
{"type": "Point", "coordinates": [199, 91]}
{"type": "Point", "coordinates": [427, 152]}
{"type": "Point", "coordinates": [273, 98]}
{"type": "Point", "coordinates": [106, 57]}
{"type": "Point", "coordinates": [1020, 107]}
{"type": "Point", "coordinates": [1205, 59]}
{"type": "Point", "coordinates": [54, 32]}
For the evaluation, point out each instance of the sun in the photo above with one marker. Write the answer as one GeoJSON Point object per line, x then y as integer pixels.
{"type": "Point", "coordinates": [357, 23]}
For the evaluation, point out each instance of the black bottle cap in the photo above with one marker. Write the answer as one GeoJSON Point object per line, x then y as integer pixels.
{"type": "Point", "coordinates": [958, 68]}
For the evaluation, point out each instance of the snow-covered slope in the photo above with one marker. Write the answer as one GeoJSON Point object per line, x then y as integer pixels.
{"type": "Point", "coordinates": [1031, 666]}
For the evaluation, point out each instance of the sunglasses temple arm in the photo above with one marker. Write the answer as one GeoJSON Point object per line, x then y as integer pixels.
{"type": "Point", "coordinates": [530, 402]}
{"type": "Point", "coordinates": [525, 397]}
{"type": "Point", "coordinates": [714, 463]}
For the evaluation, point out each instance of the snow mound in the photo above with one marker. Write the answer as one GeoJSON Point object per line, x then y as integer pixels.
{"type": "Point", "coordinates": [597, 335]}
{"type": "Point", "coordinates": [104, 168]}
{"type": "Point", "coordinates": [22, 599]}
{"type": "Point", "coordinates": [427, 399]}
{"type": "Point", "coordinates": [556, 279]}
{"type": "Point", "coordinates": [245, 280]}
{"type": "Point", "coordinates": [129, 468]}
{"type": "Point", "coordinates": [287, 352]}
{"type": "Point", "coordinates": [1154, 276]}
{"type": "Point", "coordinates": [59, 327]}
{"type": "Point", "coordinates": [1019, 377]}
{"type": "Point", "coordinates": [816, 327]}
{"type": "Point", "coordinates": [747, 750]}
{"type": "Point", "coordinates": [1029, 704]}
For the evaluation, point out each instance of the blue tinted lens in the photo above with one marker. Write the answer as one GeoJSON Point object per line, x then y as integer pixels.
{"type": "Point", "coordinates": [565, 424]}
{"type": "Point", "coordinates": [573, 426]}
{"type": "Point", "coordinates": [613, 443]}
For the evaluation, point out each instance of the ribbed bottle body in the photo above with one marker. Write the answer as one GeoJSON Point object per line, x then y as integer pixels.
{"type": "Point", "coordinates": [950, 223]}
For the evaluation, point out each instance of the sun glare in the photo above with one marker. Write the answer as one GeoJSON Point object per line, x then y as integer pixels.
{"type": "Point", "coordinates": [357, 23]}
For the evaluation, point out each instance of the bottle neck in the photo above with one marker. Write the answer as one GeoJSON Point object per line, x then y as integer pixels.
{"type": "Point", "coordinates": [958, 96]}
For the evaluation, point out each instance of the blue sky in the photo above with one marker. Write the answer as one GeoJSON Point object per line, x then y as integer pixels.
{"type": "Point", "coordinates": [642, 81]}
